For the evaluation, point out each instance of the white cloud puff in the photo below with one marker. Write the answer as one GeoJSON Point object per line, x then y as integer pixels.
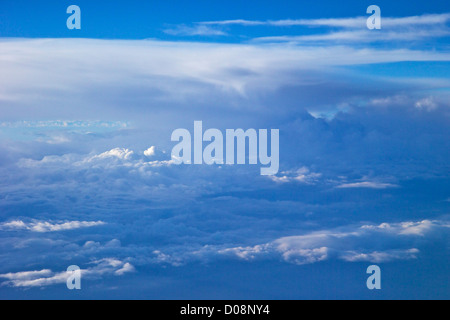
{"type": "Point", "coordinates": [150, 151]}
{"type": "Point", "coordinates": [119, 153]}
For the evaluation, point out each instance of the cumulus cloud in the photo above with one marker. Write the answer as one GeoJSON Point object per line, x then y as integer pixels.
{"type": "Point", "coordinates": [150, 151]}
{"type": "Point", "coordinates": [119, 153]}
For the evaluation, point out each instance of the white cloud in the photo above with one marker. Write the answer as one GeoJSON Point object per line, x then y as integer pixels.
{"type": "Point", "coordinates": [379, 257]}
{"type": "Point", "coordinates": [164, 258]}
{"type": "Point", "coordinates": [119, 153]}
{"type": "Point", "coordinates": [367, 184]}
{"type": "Point", "coordinates": [46, 226]}
{"type": "Point", "coordinates": [150, 151]}
{"type": "Point", "coordinates": [426, 19]}
{"type": "Point", "coordinates": [305, 256]}
{"type": "Point", "coordinates": [427, 103]}
{"type": "Point", "coordinates": [234, 22]}
{"type": "Point", "coordinates": [300, 175]}
{"type": "Point", "coordinates": [26, 275]}
{"type": "Point", "coordinates": [175, 71]}
{"type": "Point", "coordinates": [197, 30]}
{"type": "Point", "coordinates": [410, 28]}
{"type": "Point", "coordinates": [46, 277]}
{"type": "Point", "coordinates": [361, 36]}
{"type": "Point", "coordinates": [246, 253]}
{"type": "Point", "coordinates": [341, 243]}
{"type": "Point", "coordinates": [417, 228]}
{"type": "Point", "coordinates": [354, 29]}
{"type": "Point", "coordinates": [126, 268]}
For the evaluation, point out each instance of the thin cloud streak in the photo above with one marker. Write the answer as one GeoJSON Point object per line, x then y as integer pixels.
{"type": "Point", "coordinates": [426, 19]}
{"type": "Point", "coordinates": [46, 226]}
{"type": "Point", "coordinates": [412, 28]}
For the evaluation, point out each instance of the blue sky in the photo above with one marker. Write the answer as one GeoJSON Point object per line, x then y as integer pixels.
{"type": "Point", "coordinates": [87, 178]}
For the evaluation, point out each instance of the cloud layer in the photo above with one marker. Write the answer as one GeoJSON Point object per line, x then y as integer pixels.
{"type": "Point", "coordinates": [87, 178]}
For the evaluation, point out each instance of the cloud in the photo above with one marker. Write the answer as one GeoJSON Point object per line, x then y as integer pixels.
{"type": "Point", "coordinates": [246, 253]}
{"type": "Point", "coordinates": [362, 36]}
{"type": "Point", "coordinates": [418, 228]}
{"type": "Point", "coordinates": [305, 256]}
{"type": "Point", "coordinates": [63, 124]}
{"type": "Point", "coordinates": [370, 130]}
{"type": "Point", "coordinates": [119, 153]}
{"type": "Point", "coordinates": [46, 277]}
{"type": "Point", "coordinates": [26, 275]}
{"type": "Point", "coordinates": [46, 226]}
{"type": "Point", "coordinates": [300, 175]}
{"type": "Point", "coordinates": [426, 19]}
{"type": "Point", "coordinates": [162, 258]}
{"type": "Point", "coordinates": [341, 243]}
{"type": "Point", "coordinates": [367, 184]}
{"type": "Point", "coordinates": [198, 30]}
{"type": "Point", "coordinates": [150, 151]}
{"type": "Point", "coordinates": [379, 257]}
{"type": "Point", "coordinates": [353, 29]}
{"type": "Point", "coordinates": [427, 103]}
{"type": "Point", "coordinates": [161, 80]}
{"type": "Point", "coordinates": [127, 267]}
{"type": "Point", "coordinates": [234, 22]}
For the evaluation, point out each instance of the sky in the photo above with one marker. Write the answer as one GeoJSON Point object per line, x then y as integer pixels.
{"type": "Point", "coordinates": [87, 177]}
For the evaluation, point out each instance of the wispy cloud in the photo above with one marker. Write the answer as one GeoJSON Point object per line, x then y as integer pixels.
{"type": "Point", "coordinates": [426, 19]}
{"type": "Point", "coordinates": [417, 228]}
{"type": "Point", "coordinates": [160, 74]}
{"type": "Point", "coordinates": [303, 175]}
{"type": "Point", "coordinates": [46, 277]}
{"type": "Point", "coordinates": [362, 36]}
{"type": "Point", "coordinates": [46, 226]}
{"type": "Point", "coordinates": [412, 28]}
{"type": "Point", "coordinates": [70, 124]}
{"type": "Point", "coordinates": [196, 30]}
{"type": "Point", "coordinates": [379, 257]}
{"type": "Point", "coordinates": [367, 184]}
